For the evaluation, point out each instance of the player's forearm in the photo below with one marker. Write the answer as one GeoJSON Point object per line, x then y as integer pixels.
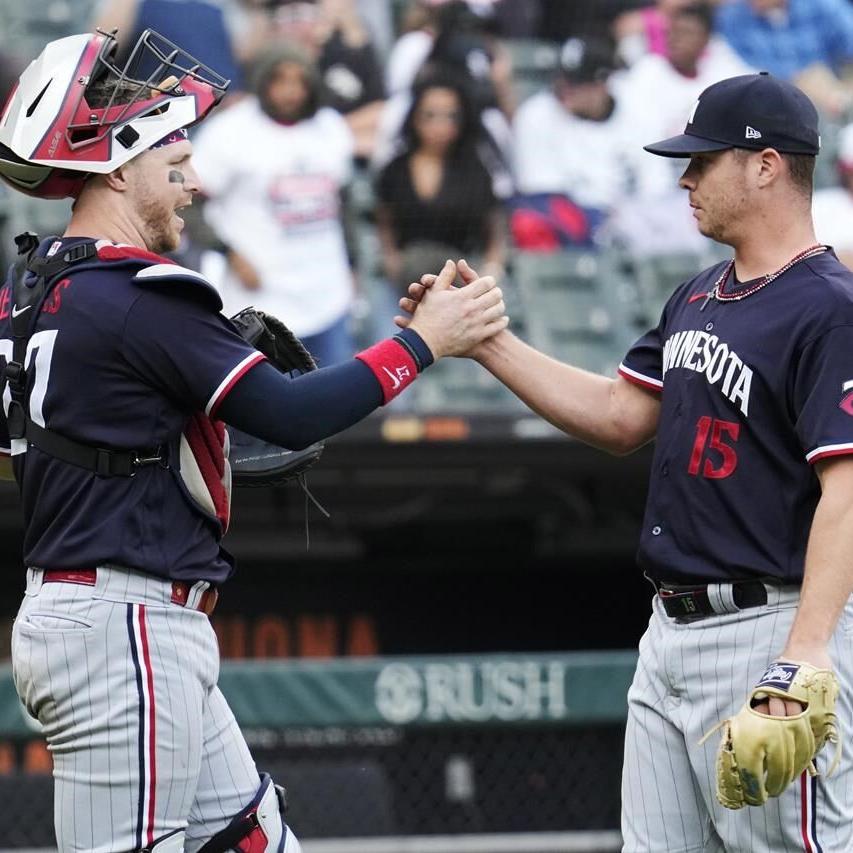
{"type": "Point", "coordinates": [585, 405]}
{"type": "Point", "coordinates": [295, 412]}
{"type": "Point", "coordinates": [828, 581]}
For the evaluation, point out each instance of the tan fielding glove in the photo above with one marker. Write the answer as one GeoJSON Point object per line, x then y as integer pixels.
{"type": "Point", "coordinates": [760, 755]}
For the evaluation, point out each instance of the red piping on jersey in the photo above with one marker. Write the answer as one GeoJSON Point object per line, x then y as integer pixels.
{"type": "Point", "coordinates": [123, 253]}
{"type": "Point", "coordinates": [641, 382]}
{"type": "Point", "coordinates": [828, 453]}
{"type": "Point", "coordinates": [696, 297]}
{"type": "Point", "coordinates": [233, 381]}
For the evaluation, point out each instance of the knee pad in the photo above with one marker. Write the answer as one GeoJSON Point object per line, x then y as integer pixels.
{"type": "Point", "coordinates": [259, 828]}
{"type": "Point", "coordinates": [171, 843]}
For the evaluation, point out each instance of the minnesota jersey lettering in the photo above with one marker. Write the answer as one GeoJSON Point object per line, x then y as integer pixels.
{"type": "Point", "coordinates": [706, 353]}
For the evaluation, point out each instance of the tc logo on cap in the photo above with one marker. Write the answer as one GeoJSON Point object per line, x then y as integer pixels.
{"type": "Point", "coordinates": [724, 114]}
{"type": "Point", "coordinates": [693, 113]}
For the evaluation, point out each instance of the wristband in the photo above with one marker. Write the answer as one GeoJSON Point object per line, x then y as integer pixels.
{"type": "Point", "coordinates": [393, 366]}
{"type": "Point", "coordinates": [417, 347]}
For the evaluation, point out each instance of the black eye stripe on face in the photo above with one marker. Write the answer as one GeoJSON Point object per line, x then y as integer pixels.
{"type": "Point", "coordinates": [176, 176]}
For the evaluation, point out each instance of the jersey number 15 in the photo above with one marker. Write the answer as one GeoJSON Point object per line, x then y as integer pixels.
{"type": "Point", "coordinates": [719, 456]}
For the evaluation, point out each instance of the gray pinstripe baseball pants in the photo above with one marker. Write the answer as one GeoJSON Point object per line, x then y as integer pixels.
{"type": "Point", "coordinates": [123, 683]}
{"type": "Point", "coordinates": [689, 677]}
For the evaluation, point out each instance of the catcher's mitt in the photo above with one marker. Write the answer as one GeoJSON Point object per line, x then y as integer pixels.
{"type": "Point", "coordinates": [760, 755]}
{"type": "Point", "coordinates": [255, 462]}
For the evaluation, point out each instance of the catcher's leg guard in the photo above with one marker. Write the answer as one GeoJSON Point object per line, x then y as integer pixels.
{"type": "Point", "coordinates": [259, 828]}
{"type": "Point", "coordinates": [171, 843]}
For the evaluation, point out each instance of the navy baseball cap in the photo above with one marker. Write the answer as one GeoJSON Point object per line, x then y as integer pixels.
{"type": "Point", "coordinates": [754, 111]}
{"type": "Point", "coordinates": [587, 60]}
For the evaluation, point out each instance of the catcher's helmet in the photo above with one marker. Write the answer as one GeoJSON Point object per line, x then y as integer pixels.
{"type": "Point", "coordinates": [73, 112]}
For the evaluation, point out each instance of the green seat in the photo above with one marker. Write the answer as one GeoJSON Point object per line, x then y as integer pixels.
{"type": "Point", "coordinates": [602, 357]}
{"type": "Point", "coordinates": [580, 306]}
{"type": "Point", "coordinates": [533, 57]}
{"type": "Point", "coordinates": [458, 385]}
{"type": "Point", "coordinates": [533, 64]}
{"type": "Point", "coordinates": [826, 171]}
{"type": "Point", "coordinates": [657, 277]}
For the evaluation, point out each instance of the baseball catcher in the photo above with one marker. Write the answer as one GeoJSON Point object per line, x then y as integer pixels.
{"type": "Point", "coordinates": [121, 378]}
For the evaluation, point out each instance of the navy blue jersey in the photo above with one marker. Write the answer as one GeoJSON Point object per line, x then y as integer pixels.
{"type": "Point", "coordinates": [130, 351]}
{"type": "Point", "coordinates": [752, 392]}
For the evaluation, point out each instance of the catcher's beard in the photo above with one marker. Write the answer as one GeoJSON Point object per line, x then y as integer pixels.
{"type": "Point", "coordinates": [156, 215]}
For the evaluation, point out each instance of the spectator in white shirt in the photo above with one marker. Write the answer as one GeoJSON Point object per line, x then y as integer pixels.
{"type": "Point", "coordinates": [660, 90]}
{"type": "Point", "coordinates": [695, 59]}
{"type": "Point", "coordinates": [833, 207]}
{"type": "Point", "coordinates": [273, 167]}
{"type": "Point", "coordinates": [579, 137]}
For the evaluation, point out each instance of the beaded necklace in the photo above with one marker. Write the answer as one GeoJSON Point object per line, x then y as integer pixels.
{"type": "Point", "coordinates": [716, 292]}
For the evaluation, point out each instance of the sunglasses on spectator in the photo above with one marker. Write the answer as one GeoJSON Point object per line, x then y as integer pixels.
{"type": "Point", "coordinates": [438, 115]}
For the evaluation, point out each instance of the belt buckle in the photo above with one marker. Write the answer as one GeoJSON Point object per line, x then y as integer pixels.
{"type": "Point", "coordinates": [684, 597]}
{"type": "Point", "coordinates": [680, 605]}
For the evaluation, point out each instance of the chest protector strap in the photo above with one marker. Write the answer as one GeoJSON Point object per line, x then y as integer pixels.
{"type": "Point", "coordinates": [33, 279]}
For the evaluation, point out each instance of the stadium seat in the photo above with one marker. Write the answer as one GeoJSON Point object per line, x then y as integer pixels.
{"type": "Point", "coordinates": [533, 64]}
{"type": "Point", "coordinates": [826, 174]}
{"type": "Point", "coordinates": [580, 307]}
{"type": "Point", "coordinates": [459, 385]}
{"type": "Point", "coordinates": [657, 276]}
{"type": "Point", "coordinates": [361, 194]}
{"type": "Point", "coordinates": [27, 27]}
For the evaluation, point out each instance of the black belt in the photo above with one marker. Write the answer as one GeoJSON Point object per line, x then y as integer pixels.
{"type": "Point", "coordinates": [687, 603]}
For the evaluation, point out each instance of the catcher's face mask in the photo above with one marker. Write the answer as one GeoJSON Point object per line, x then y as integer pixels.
{"type": "Point", "coordinates": [75, 112]}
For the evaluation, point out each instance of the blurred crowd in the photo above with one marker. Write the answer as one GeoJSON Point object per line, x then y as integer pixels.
{"type": "Point", "coordinates": [466, 128]}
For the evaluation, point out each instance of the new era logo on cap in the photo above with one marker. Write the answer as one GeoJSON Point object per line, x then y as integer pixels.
{"type": "Point", "coordinates": [752, 133]}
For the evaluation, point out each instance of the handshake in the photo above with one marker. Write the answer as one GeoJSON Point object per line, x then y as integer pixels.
{"type": "Point", "coordinates": [454, 320]}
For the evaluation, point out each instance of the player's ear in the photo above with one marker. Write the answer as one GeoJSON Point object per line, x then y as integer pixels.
{"type": "Point", "coordinates": [118, 179]}
{"type": "Point", "coordinates": [770, 167]}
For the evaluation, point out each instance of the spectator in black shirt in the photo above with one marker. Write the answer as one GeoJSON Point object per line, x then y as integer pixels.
{"type": "Point", "coordinates": [438, 190]}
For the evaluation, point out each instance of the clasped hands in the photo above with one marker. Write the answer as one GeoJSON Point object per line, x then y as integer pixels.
{"type": "Point", "coordinates": [454, 321]}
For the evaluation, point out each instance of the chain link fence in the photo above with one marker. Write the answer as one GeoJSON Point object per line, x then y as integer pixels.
{"type": "Point", "coordinates": [388, 782]}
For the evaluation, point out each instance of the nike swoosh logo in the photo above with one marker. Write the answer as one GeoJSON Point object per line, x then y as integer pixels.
{"type": "Point", "coordinates": [16, 312]}
{"type": "Point", "coordinates": [394, 379]}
